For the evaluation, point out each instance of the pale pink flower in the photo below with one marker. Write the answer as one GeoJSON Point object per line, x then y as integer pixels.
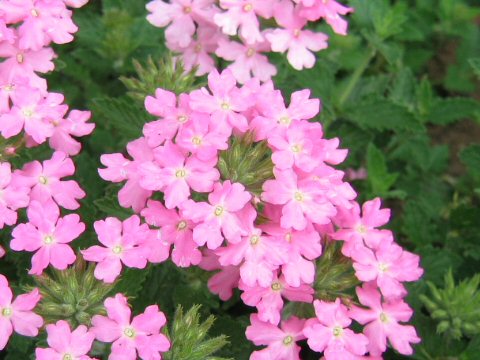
{"type": "Point", "coordinates": [298, 43]}
{"type": "Point", "coordinates": [218, 218]}
{"type": "Point", "coordinates": [122, 241]}
{"type": "Point", "coordinates": [66, 344]}
{"type": "Point", "coordinates": [281, 342]}
{"type": "Point", "coordinates": [382, 322]}
{"type": "Point", "coordinates": [181, 15]}
{"type": "Point", "coordinates": [330, 10]}
{"type": "Point", "coordinates": [45, 181]}
{"type": "Point", "coordinates": [33, 111]}
{"type": "Point", "coordinates": [175, 230]}
{"type": "Point", "coordinates": [223, 282]}
{"type": "Point", "coordinates": [6, 34]}
{"type": "Point", "coordinates": [2, 252]}
{"type": "Point", "coordinates": [140, 336]}
{"type": "Point", "coordinates": [75, 3]}
{"type": "Point", "coordinates": [64, 130]}
{"type": "Point", "coordinates": [241, 16]}
{"type": "Point", "coordinates": [248, 60]}
{"type": "Point", "coordinates": [226, 102]}
{"type": "Point", "coordinates": [389, 265]}
{"type": "Point", "coordinates": [268, 300]}
{"type": "Point", "coordinates": [329, 332]}
{"type": "Point", "coordinates": [356, 229]}
{"type": "Point", "coordinates": [12, 196]}
{"type": "Point", "coordinates": [17, 315]}
{"type": "Point", "coordinates": [300, 199]}
{"type": "Point", "coordinates": [48, 235]}
{"type": "Point", "coordinates": [119, 169]}
{"type": "Point", "coordinates": [175, 174]}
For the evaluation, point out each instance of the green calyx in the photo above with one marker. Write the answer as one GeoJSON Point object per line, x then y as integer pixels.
{"type": "Point", "coordinates": [73, 295]}
{"type": "Point", "coordinates": [455, 307]}
{"type": "Point", "coordinates": [335, 276]}
{"type": "Point", "coordinates": [247, 162]}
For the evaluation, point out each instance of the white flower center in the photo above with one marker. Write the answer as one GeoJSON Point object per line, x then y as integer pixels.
{"type": "Point", "coordinates": [129, 332]}
{"type": "Point", "coordinates": [20, 58]}
{"type": "Point", "coordinates": [250, 52]}
{"type": "Point", "coordinates": [34, 12]}
{"type": "Point", "coordinates": [337, 331]}
{"type": "Point", "coordinates": [182, 119]}
{"type": "Point", "coordinates": [299, 196]}
{"type": "Point", "coordinates": [197, 140]}
{"type": "Point", "coordinates": [276, 286]}
{"type": "Point", "coordinates": [383, 267]}
{"type": "Point", "coordinates": [48, 240]}
{"type": "Point", "coordinates": [180, 173]}
{"type": "Point", "coordinates": [254, 239]}
{"type": "Point", "coordinates": [384, 318]}
{"type": "Point", "coordinates": [67, 357]}
{"type": "Point", "coordinates": [288, 340]}
{"type": "Point", "coordinates": [7, 312]}
{"type": "Point", "coordinates": [117, 249]}
{"type": "Point", "coordinates": [248, 7]}
{"type": "Point", "coordinates": [182, 225]}
{"type": "Point", "coordinates": [219, 210]}
{"type": "Point", "coordinates": [43, 180]}
{"type": "Point", "coordinates": [225, 106]}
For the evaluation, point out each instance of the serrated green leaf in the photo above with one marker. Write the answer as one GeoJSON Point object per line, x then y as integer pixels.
{"type": "Point", "coordinates": [470, 156]}
{"type": "Point", "coordinates": [378, 176]}
{"type": "Point", "coordinates": [447, 110]}
{"type": "Point", "coordinates": [475, 64]}
{"type": "Point", "coordinates": [381, 114]}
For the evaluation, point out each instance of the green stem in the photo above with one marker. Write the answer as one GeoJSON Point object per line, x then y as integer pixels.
{"type": "Point", "coordinates": [356, 76]}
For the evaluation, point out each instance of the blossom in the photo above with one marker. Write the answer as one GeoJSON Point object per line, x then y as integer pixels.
{"type": "Point", "coordinates": [17, 315]}
{"type": "Point", "coordinates": [123, 244]}
{"type": "Point", "coordinates": [329, 332]}
{"type": "Point", "coordinates": [141, 335]}
{"type": "Point", "coordinates": [382, 321]}
{"type": "Point", "coordinates": [218, 218]}
{"type": "Point", "coordinates": [281, 342]}
{"type": "Point", "coordinates": [389, 265]}
{"type": "Point", "coordinates": [298, 43]}
{"type": "Point", "coordinates": [330, 10]}
{"type": "Point", "coordinates": [12, 196]}
{"type": "Point", "coordinates": [47, 234]}
{"type": "Point", "coordinates": [65, 343]}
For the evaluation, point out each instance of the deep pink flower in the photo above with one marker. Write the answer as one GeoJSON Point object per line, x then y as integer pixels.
{"type": "Point", "coordinates": [140, 336]}
{"type": "Point", "coordinates": [382, 321]}
{"type": "Point", "coordinates": [223, 282]}
{"type": "Point", "coordinates": [281, 343]}
{"type": "Point", "coordinates": [17, 315]}
{"type": "Point", "coordinates": [48, 235]}
{"type": "Point", "coordinates": [123, 244]}
{"type": "Point", "coordinates": [45, 181]}
{"type": "Point", "coordinates": [66, 344]}
{"type": "Point", "coordinates": [329, 333]}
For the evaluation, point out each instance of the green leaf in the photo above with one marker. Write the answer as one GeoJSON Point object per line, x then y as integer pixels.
{"type": "Point", "coordinates": [447, 110]}
{"type": "Point", "coordinates": [381, 114]}
{"type": "Point", "coordinates": [131, 281]}
{"type": "Point", "coordinates": [402, 88]}
{"type": "Point", "coordinates": [470, 156]}
{"type": "Point", "coordinates": [475, 64]}
{"type": "Point", "coordinates": [378, 176]}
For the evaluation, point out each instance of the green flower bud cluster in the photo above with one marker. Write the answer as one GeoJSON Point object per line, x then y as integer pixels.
{"type": "Point", "coordinates": [335, 276]}
{"type": "Point", "coordinates": [247, 162]}
{"type": "Point", "coordinates": [189, 337]}
{"type": "Point", "coordinates": [73, 295]}
{"type": "Point", "coordinates": [10, 147]}
{"type": "Point", "coordinates": [456, 308]}
{"type": "Point", "coordinates": [168, 74]}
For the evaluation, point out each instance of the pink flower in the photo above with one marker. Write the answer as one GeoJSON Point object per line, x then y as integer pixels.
{"type": "Point", "coordinates": [66, 344]}
{"type": "Point", "coordinates": [226, 102]}
{"type": "Point", "coordinates": [122, 242]}
{"type": "Point", "coordinates": [219, 217]}
{"type": "Point", "coordinates": [281, 343]}
{"type": "Point", "coordinates": [46, 184]}
{"type": "Point", "coordinates": [389, 265]}
{"type": "Point", "coordinates": [181, 15]}
{"type": "Point", "coordinates": [74, 125]}
{"type": "Point", "coordinates": [268, 300]}
{"type": "Point", "coordinates": [119, 169]}
{"type": "Point", "coordinates": [17, 315]}
{"type": "Point", "coordinates": [75, 3]}
{"type": "Point", "coordinates": [382, 321]}
{"type": "Point", "coordinates": [223, 282]}
{"type": "Point", "coordinates": [329, 333]}
{"type": "Point", "coordinates": [141, 335]}
{"type": "Point", "coordinates": [300, 199]}
{"type": "Point", "coordinates": [248, 60]}
{"type": "Point", "coordinates": [33, 111]}
{"type": "Point", "coordinates": [175, 230]}
{"type": "Point", "coordinates": [298, 42]}
{"type": "Point", "coordinates": [275, 118]}
{"type": "Point", "coordinates": [175, 174]}
{"type": "Point", "coordinates": [12, 196]}
{"type": "Point", "coordinates": [48, 235]}
{"type": "Point", "coordinates": [242, 15]}
{"type": "Point", "coordinates": [358, 230]}
{"type": "Point", "coordinates": [328, 10]}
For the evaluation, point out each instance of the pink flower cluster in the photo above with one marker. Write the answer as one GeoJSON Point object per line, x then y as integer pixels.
{"type": "Point", "coordinates": [31, 115]}
{"type": "Point", "coordinates": [199, 29]}
{"type": "Point", "coordinates": [141, 335]}
{"type": "Point", "coordinates": [264, 243]}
